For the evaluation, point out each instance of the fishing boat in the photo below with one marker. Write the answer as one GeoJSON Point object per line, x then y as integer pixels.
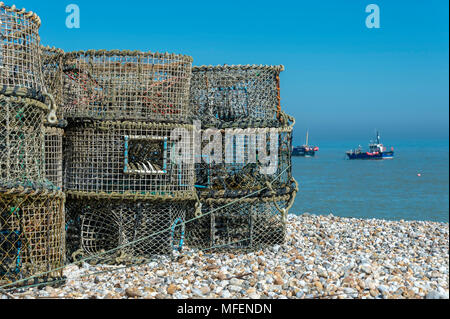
{"type": "Point", "coordinates": [377, 151]}
{"type": "Point", "coordinates": [305, 150]}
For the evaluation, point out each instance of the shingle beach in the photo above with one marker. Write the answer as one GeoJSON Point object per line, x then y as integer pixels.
{"type": "Point", "coordinates": [324, 257]}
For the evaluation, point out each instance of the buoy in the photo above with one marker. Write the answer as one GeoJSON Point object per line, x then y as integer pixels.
{"type": "Point", "coordinates": [419, 175]}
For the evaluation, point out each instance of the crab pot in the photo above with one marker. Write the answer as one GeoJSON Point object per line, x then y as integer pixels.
{"type": "Point", "coordinates": [32, 236]}
{"type": "Point", "coordinates": [22, 161]}
{"type": "Point", "coordinates": [238, 93]}
{"type": "Point", "coordinates": [251, 158]}
{"type": "Point", "coordinates": [138, 159]}
{"type": "Point", "coordinates": [54, 156]}
{"type": "Point", "coordinates": [124, 229]}
{"type": "Point", "coordinates": [249, 224]}
{"type": "Point", "coordinates": [52, 71]}
{"type": "Point", "coordinates": [20, 67]}
{"type": "Point", "coordinates": [127, 85]}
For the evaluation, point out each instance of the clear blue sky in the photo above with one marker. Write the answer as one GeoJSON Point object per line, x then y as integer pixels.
{"type": "Point", "coordinates": [342, 80]}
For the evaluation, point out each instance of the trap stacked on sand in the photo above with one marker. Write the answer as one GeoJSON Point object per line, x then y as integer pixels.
{"type": "Point", "coordinates": [20, 65]}
{"type": "Point", "coordinates": [134, 159]}
{"type": "Point", "coordinates": [126, 181]}
{"type": "Point", "coordinates": [22, 157]}
{"type": "Point", "coordinates": [248, 192]}
{"type": "Point", "coordinates": [127, 85]}
{"type": "Point", "coordinates": [31, 206]}
{"type": "Point", "coordinates": [241, 96]}
{"type": "Point", "coordinates": [127, 173]}
{"type": "Point", "coordinates": [32, 234]}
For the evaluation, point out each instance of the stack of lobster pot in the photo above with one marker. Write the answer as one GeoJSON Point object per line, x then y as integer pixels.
{"type": "Point", "coordinates": [128, 168]}
{"type": "Point", "coordinates": [243, 162]}
{"type": "Point", "coordinates": [32, 240]}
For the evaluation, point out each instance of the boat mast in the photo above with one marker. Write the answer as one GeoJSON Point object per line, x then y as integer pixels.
{"type": "Point", "coordinates": [307, 137]}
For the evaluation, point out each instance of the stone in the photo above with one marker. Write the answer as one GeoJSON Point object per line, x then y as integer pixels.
{"type": "Point", "coordinates": [221, 276]}
{"type": "Point", "coordinates": [133, 293]}
{"type": "Point", "coordinates": [172, 289]}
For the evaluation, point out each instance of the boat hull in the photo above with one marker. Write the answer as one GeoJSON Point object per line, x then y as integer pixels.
{"type": "Point", "coordinates": [303, 153]}
{"type": "Point", "coordinates": [366, 156]}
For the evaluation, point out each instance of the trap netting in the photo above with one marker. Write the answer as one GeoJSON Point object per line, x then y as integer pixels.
{"type": "Point", "coordinates": [235, 224]}
{"type": "Point", "coordinates": [54, 156]}
{"type": "Point", "coordinates": [32, 237]}
{"type": "Point", "coordinates": [20, 67]}
{"type": "Point", "coordinates": [22, 143]}
{"type": "Point", "coordinates": [127, 85]}
{"type": "Point", "coordinates": [232, 94]}
{"type": "Point", "coordinates": [125, 158]}
{"type": "Point", "coordinates": [133, 229]}
{"type": "Point", "coordinates": [52, 71]}
{"type": "Point", "coordinates": [248, 160]}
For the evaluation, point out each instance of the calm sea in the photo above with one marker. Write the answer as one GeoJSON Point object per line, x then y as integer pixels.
{"type": "Point", "coordinates": [389, 189]}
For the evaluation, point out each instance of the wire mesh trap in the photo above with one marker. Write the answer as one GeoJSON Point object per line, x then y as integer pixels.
{"type": "Point", "coordinates": [20, 67]}
{"type": "Point", "coordinates": [54, 156]}
{"type": "Point", "coordinates": [139, 159]}
{"type": "Point", "coordinates": [126, 85]}
{"type": "Point", "coordinates": [99, 226]}
{"type": "Point", "coordinates": [250, 159]}
{"type": "Point", "coordinates": [32, 237]}
{"type": "Point", "coordinates": [232, 94]}
{"type": "Point", "coordinates": [246, 224]}
{"type": "Point", "coordinates": [22, 143]}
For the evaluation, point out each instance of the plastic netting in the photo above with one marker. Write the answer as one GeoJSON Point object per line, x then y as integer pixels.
{"type": "Point", "coordinates": [129, 158]}
{"type": "Point", "coordinates": [232, 94]}
{"type": "Point", "coordinates": [54, 156]}
{"type": "Point", "coordinates": [251, 158]}
{"type": "Point", "coordinates": [97, 226]}
{"type": "Point", "coordinates": [22, 143]}
{"type": "Point", "coordinates": [20, 67]}
{"type": "Point", "coordinates": [127, 85]}
{"type": "Point", "coordinates": [247, 224]}
{"type": "Point", "coordinates": [32, 237]}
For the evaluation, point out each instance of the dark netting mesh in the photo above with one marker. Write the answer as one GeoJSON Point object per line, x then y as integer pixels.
{"type": "Point", "coordinates": [233, 224]}
{"type": "Point", "coordinates": [129, 158]}
{"type": "Point", "coordinates": [53, 156]}
{"type": "Point", "coordinates": [126, 85]}
{"type": "Point", "coordinates": [251, 159]}
{"type": "Point", "coordinates": [22, 143]}
{"type": "Point", "coordinates": [100, 225]}
{"type": "Point", "coordinates": [32, 237]}
{"type": "Point", "coordinates": [20, 68]}
{"type": "Point", "coordinates": [236, 94]}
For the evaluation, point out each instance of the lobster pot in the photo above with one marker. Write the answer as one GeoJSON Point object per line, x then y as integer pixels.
{"type": "Point", "coordinates": [22, 143]}
{"type": "Point", "coordinates": [54, 156]}
{"type": "Point", "coordinates": [234, 94]}
{"type": "Point", "coordinates": [127, 230]}
{"type": "Point", "coordinates": [20, 67]}
{"type": "Point", "coordinates": [32, 235]}
{"type": "Point", "coordinates": [52, 71]}
{"type": "Point", "coordinates": [230, 224]}
{"type": "Point", "coordinates": [251, 158]}
{"type": "Point", "coordinates": [125, 85]}
{"type": "Point", "coordinates": [124, 158]}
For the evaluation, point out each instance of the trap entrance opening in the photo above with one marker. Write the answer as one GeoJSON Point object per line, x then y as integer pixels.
{"type": "Point", "coordinates": [145, 155]}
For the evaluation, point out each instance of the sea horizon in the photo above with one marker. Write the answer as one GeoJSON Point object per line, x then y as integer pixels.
{"type": "Point", "coordinates": [414, 186]}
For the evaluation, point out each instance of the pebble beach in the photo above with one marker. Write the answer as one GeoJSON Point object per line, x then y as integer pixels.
{"type": "Point", "coordinates": [325, 257]}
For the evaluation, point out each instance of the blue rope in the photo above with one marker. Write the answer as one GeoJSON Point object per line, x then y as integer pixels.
{"type": "Point", "coordinates": [174, 226]}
